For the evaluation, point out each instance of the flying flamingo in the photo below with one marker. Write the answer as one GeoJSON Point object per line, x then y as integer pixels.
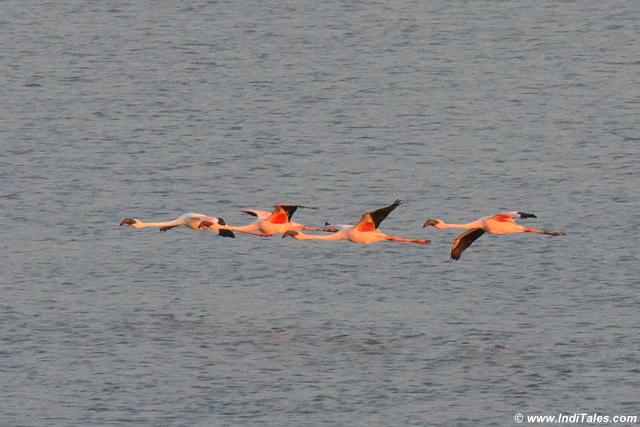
{"type": "Point", "coordinates": [269, 223]}
{"type": "Point", "coordinates": [364, 232]}
{"type": "Point", "coordinates": [190, 220]}
{"type": "Point", "coordinates": [502, 223]}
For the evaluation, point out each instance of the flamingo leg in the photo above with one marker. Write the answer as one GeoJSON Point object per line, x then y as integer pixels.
{"type": "Point", "coordinates": [403, 240]}
{"type": "Point", "coordinates": [548, 233]}
{"type": "Point", "coordinates": [255, 233]}
{"type": "Point", "coordinates": [304, 227]}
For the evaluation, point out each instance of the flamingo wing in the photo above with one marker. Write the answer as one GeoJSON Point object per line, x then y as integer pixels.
{"type": "Point", "coordinates": [288, 210]}
{"type": "Point", "coordinates": [225, 233]}
{"type": "Point", "coordinates": [195, 219]}
{"type": "Point", "coordinates": [184, 219]}
{"type": "Point", "coordinates": [502, 218]}
{"type": "Point", "coordinates": [371, 220]}
{"type": "Point", "coordinates": [334, 228]}
{"type": "Point", "coordinates": [213, 223]}
{"type": "Point", "coordinates": [516, 214]}
{"type": "Point", "coordinates": [465, 240]}
{"type": "Point", "coordinates": [257, 213]}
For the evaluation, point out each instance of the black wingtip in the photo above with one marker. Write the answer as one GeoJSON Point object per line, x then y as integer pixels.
{"type": "Point", "coordinates": [526, 215]}
{"type": "Point", "coordinates": [226, 233]}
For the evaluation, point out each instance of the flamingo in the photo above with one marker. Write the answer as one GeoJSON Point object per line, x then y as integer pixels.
{"type": "Point", "coordinates": [502, 223]}
{"type": "Point", "coordinates": [190, 220]}
{"type": "Point", "coordinates": [269, 223]}
{"type": "Point", "coordinates": [364, 232]}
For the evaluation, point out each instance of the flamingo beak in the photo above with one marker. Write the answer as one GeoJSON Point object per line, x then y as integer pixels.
{"type": "Point", "coordinates": [127, 221]}
{"type": "Point", "coordinates": [430, 222]}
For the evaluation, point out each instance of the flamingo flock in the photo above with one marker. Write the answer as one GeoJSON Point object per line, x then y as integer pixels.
{"type": "Point", "coordinates": [365, 231]}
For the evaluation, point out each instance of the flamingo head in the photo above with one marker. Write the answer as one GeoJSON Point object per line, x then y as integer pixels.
{"type": "Point", "coordinates": [130, 221]}
{"type": "Point", "coordinates": [290, 233]}
{"type": "Point", "coordinates": [205, 224]}
{"type": "Point", "coordinates": [437, 223]}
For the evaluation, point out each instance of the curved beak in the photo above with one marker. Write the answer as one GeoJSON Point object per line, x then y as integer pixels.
{"type": "Point", "coordinates": [127, 221]}
{"type": "Point", "coordinates": [430, 222]}
{"type": "Point", "coordinates": [290, 233]}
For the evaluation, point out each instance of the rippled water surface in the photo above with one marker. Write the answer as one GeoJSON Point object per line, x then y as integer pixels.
{"type": "Point", "coordinates": [151, 109]}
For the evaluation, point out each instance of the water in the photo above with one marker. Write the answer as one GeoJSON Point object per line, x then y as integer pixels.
{"type": "Point", "coordinates": [462, 109]}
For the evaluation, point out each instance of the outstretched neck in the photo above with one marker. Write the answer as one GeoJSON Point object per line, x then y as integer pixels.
{"type": "Point", "coordinates": [334, 236]}
{"type": "Point", "coordinates": [141, 224]}
{"type": "Point", "coordinates": [474, 224]}
{"type": "Point", "coordinates": [244, 228]}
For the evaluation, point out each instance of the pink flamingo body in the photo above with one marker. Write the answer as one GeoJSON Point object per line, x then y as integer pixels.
{"type": "Point", "coordinates": [270, 223]}
{"type": "Point", "coordinates": [364, 232]}
{"type": "Point", "coordinates": [502, 223]}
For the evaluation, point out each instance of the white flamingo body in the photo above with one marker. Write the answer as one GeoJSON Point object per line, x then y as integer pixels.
{"type": "Point", "coordinates": [364, 232]}
{"type": "Point", "coordinates": [502, 223]}
{"type": "Point", "coordinates": [190, 220]}
{"type": "Point", "coordinates": [269, 223]}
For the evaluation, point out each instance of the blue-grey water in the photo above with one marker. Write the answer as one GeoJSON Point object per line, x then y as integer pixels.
{"type": "Point", "coordinates": [460, 108]}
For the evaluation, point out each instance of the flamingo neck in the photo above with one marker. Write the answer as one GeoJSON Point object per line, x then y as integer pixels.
{"type": "Point", "coordinates": [141, 224]}
{"type": "Point", "coordinates": [473, 224]}
{"type": "Point", "coordinates": [334, 236]}
{"type": "Point", "coordinates": [250, 227]}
